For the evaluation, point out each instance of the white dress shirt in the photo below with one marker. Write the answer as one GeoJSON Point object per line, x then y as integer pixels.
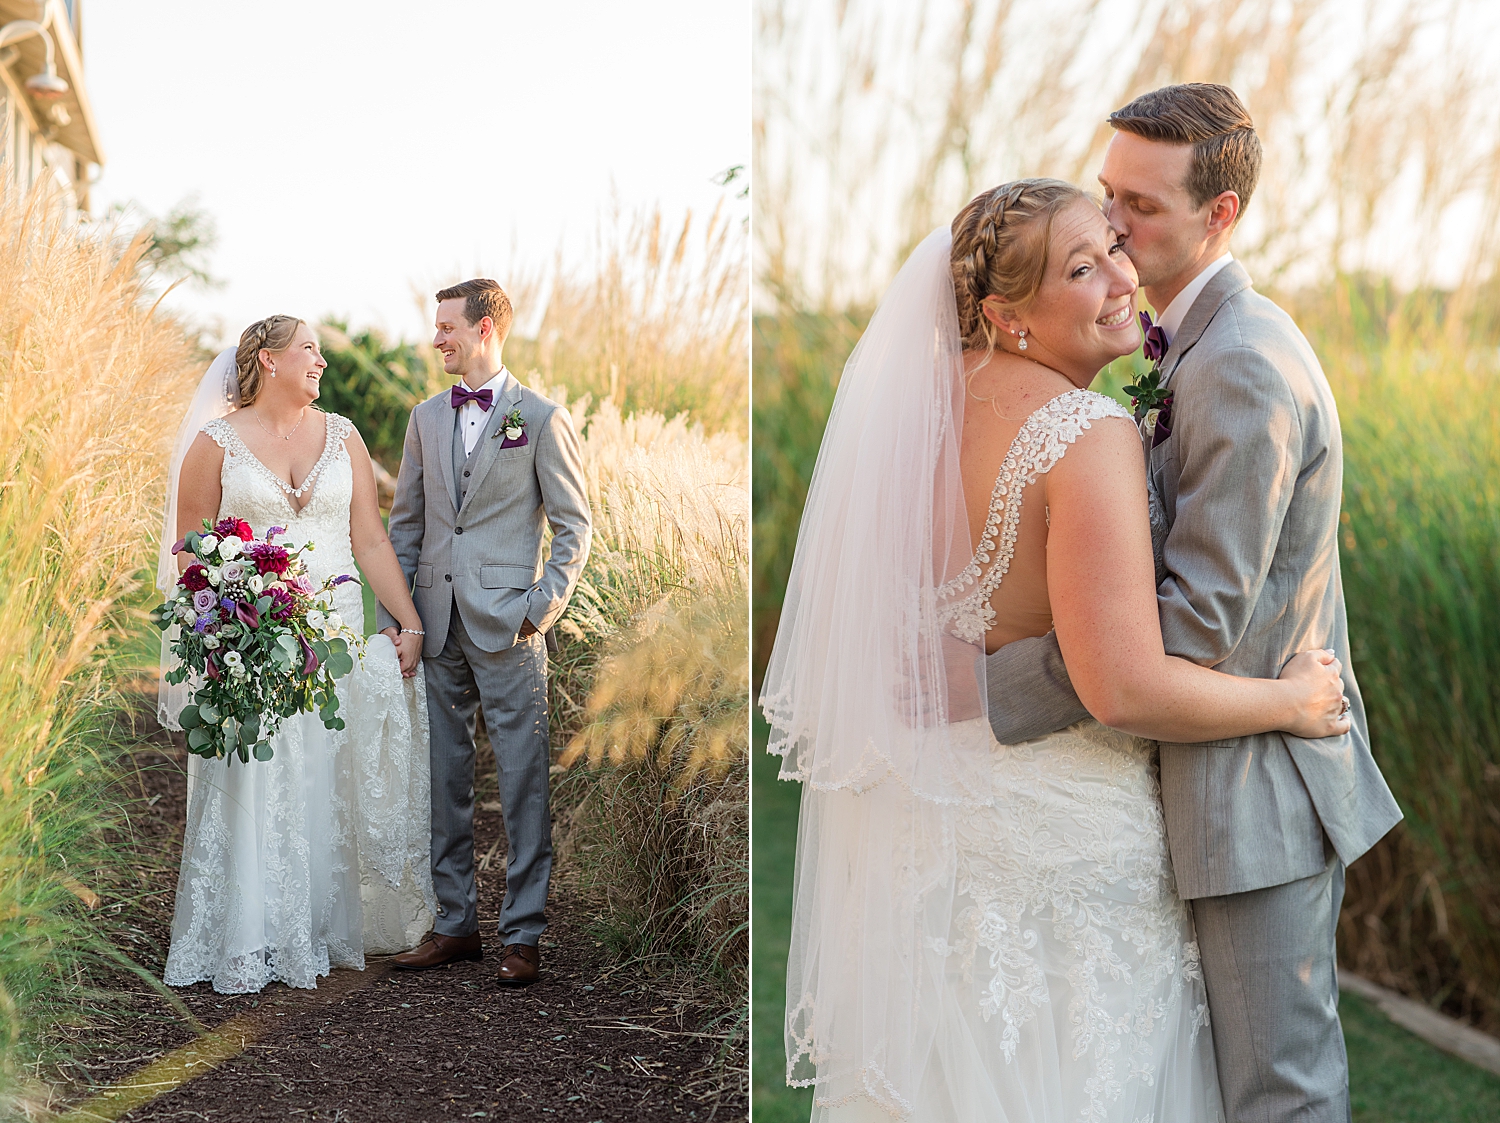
{"type": "Point", "coordinates": [472, 418]}
{"type": "Point", "coordinates": [1171, 319]}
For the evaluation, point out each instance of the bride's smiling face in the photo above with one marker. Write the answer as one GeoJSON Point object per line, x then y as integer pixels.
{"type": "Point", "coordinates": [1084, 313]}
{"type": "Point", "coordinates": [299, 366]}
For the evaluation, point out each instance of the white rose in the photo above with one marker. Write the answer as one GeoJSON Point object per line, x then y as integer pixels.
{"type": "Point", "coordinates": [231, 548]}
{"type": "Point", "coordinates": [186, 614]}
{"type": "Point", "coordinates": [316, 620]}
{"type": "Point", "coordinates": [1150, 421]}
{"type": "Point", "coordinates": [257, 584]}
{"type": "Point", "coordinates": [269, 585]}
{"type": "Point", "coordinates": [335, 622]}
{"type": "Point", "coordinates": [233, 659]}
{"type": "Point", "coordinates": [234, 571]}
{"type": "Point", "coordinates": [209, 542]}
{"type": "Point", "coordinates": [211, 642]}
{"type": "Point", "coordinates": [213, 576]}
{"type": "Point", "coordinates": [512, 433]}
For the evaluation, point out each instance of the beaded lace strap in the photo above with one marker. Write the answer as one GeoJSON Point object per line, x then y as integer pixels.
{"type": "Point", "coordinates": [1041, 442]}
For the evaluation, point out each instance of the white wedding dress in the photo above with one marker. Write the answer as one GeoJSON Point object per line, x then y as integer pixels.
{"type": "Point", "coordinates": [319, 856]}
{"type": "Point", "coordinates": [1070, 987]}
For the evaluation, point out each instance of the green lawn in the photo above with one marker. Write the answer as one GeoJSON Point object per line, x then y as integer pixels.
{"type": "Point", "coordinates": [1394, 1077]}
{"type": "Point", "coordinates": [773, 846]}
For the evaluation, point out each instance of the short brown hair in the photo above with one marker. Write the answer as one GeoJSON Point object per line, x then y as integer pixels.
{"type": "Point", "coordinates": [482, 297]}
{"type": "Point", "coordinates": [1000, 243]}
{"type": "Point", "coordinates": [1210, 117]}
{"type": "Point", "coordinates": [273, 334]}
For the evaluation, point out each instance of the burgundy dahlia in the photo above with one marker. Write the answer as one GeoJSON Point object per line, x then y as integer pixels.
{"type": "Point", "coordinates": [270, 559]}
{"type": "Point", "coordinates": [195, 577]}
{"type": "Point", "coordinates": [237, 527]}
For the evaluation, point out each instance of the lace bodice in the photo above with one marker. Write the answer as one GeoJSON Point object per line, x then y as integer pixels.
{"type": "Point", "coordinates": [1041, 442]}
{"type": "Point", "coordinates": [251, 491]}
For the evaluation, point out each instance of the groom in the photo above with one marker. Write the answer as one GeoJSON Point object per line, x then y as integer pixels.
{"type": "Point", "coordinates": [1244, 472]}
{"type": "Point", "coordinates": [488, 465]}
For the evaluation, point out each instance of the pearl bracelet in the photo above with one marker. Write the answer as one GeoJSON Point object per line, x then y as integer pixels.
{"type": "Point", "coordinates": [411, 632]}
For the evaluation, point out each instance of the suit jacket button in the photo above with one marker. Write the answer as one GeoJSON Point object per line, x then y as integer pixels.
{"type": "Point", "coordinates": [466, 475]}
{"type": "Point", "coordinates": [447, 577]}
{"type": "Point", "coordinates": [458, 530]}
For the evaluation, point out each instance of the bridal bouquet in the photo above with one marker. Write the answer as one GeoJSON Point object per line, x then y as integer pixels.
{"type": "Point", "coordinates": [264, 641]}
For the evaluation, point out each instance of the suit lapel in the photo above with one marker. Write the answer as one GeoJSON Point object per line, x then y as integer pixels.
{"type": "Point", "coordinates": [484, 452]}
{"type": "Point", "coordinates": [441, 439]}
{"type": "Point", "coordinates": [1226, 282]}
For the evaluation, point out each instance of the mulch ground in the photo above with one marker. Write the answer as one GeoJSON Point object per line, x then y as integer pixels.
{"type": "Point", "coordinates": [594, 1040]}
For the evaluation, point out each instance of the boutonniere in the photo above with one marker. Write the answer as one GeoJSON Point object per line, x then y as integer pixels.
{"type": "Point", "coordinates": [513, 425]}
{"type": "Point", "coordinates": [1151, 403]}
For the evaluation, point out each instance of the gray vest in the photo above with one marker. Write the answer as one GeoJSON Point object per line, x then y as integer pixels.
{"type": "Point", "coordinates": [461, 459]}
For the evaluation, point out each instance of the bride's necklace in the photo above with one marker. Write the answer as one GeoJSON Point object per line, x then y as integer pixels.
{"type": "Point", "coordinates": [256, 414]}
{"type": "Point", "coordinates": [990, 399]}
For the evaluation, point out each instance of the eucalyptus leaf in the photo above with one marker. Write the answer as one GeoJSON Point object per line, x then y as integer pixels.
{"type": "Point", "coordinates": [189, 719]}
{"type": "Point", "coordinates": [198, 738]}
{"type": "Point", "coordinates": [263, 751]}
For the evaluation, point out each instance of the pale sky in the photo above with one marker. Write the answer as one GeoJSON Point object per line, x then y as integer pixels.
{"type": "Point", "coordinates": [349, 151]}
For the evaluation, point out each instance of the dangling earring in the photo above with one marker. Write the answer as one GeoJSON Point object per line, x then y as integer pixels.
{"type": "Point", "coordinates": [1022, 343]}
{"type": "Point", "coordinates": [273, 369]}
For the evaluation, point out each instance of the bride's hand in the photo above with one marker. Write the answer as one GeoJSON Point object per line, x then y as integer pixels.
{"type": "Point", "coordinates": [1320, 708]}
{"type": "Point", "coordinates": [409, 652]}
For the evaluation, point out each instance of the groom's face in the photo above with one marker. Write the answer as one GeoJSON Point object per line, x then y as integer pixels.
{"type": "Point", "coordinates": [458, 341]}
{"type": "Point", "coordinates": [1147, 202]}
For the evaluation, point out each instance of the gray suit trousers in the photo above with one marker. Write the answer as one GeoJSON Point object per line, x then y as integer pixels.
{"type": "Point", "coordinates": [512, 686]}
{"type": "Point", "coordinates": [1273, 996]}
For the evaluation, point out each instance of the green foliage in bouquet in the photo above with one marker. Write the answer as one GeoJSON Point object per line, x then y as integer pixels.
{"type": "Point", "coordinates": [261, 638]}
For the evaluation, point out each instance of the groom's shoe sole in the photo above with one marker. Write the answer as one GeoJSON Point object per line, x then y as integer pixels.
{"type": "Point", "coordinates": [438, 951]}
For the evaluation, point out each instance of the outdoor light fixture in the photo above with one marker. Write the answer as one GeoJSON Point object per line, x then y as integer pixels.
{"type": "Point", "coordinates": [45, 86]}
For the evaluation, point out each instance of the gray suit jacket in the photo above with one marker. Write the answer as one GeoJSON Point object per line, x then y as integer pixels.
{"type": "Point", "coordinates": [1245, 496]}
{"type": "Point", "coordinates": [478, 540]}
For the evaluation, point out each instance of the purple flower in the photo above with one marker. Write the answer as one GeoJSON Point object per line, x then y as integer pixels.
{"type": "Point", "coordinates": [309, 657]}
{"type": "Point", "coordinates": [1156, 342]}
{"type": "Point", "coordinates": [201, 623]}
{"type": "Point", "coordinates": [179, 546]}
{"type": "Point", "coordinates": [204, 600]}
{"type": "Point", "coordinates": [282, 606]}
{"type": "Point", "coordinates": [339, 580]}
{"type": "Point", "coordinates": [247, 615]}
{"type": "Point", "coordinates": [273, 532]}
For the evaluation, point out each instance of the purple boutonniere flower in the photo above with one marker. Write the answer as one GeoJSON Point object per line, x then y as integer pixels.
{"type": "Point", "coordinates": [1155, 342]}
{"type": "Point", "coordinates": [1152, 402]}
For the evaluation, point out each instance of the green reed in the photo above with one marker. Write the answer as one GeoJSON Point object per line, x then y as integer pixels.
{"type": "Point", "coordinates": [92, 382]}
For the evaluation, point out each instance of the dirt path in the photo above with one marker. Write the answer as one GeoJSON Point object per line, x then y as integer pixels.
{"type": "Point", "coordinates": [592, 1041]}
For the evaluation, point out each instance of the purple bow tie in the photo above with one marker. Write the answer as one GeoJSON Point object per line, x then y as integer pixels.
{"type": "Point", "coordinates": [482, 398]}
{"type": "Point", "coordinates": [1156, 342]}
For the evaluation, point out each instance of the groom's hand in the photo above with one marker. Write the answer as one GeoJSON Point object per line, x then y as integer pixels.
{"type": "Point", "coordinates": [528, 629]}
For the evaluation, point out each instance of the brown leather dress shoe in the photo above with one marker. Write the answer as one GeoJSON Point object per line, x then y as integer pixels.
{"type": "Point", "coordinates": [437, 950]}
{"type": "Point", "coordinates": [520, 965]}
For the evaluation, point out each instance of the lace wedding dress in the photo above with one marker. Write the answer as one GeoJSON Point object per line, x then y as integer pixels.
{"type": "Point", "coordinates": [1070, 989]}
{"type": "Point", "coordinates": [320, 855]}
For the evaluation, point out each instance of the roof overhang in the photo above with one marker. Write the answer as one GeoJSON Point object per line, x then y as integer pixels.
{"type": "Point", "coordinates": [80, 135]}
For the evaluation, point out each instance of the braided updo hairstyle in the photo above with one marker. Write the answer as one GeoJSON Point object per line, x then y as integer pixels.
{"type": "Point", "coordinates": [1000, 242]}
{"type": "Point", "coordinates": [274, 333]}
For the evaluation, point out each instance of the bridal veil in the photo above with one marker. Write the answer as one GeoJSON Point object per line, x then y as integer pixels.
{"type": "Point", "coordinates": [874, 705]}
{"type": "Point", "coordinates": [218, 393]}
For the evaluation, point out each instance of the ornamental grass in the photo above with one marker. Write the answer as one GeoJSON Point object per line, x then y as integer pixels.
{"type": "Point", "coordinates": [92, 384]}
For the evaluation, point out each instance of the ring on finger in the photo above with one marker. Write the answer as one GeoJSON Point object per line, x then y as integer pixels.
{"type": "Point", "coordinates": [1344, 705]}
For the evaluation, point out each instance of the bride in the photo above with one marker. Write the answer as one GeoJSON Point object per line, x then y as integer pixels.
{"type": "Point", "coordinates": [984, 931]}
{"type": "Point", "coordinates": [318, 856]}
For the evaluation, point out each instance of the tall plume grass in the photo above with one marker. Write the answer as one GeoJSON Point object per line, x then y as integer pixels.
{"type": "Point", "coordinates": [91, 387]}
{"type": "Point", "coordinates": [655, 323]}
{"type": "Point", "coordinates": [653, 686]}
{"type": "Point", "coordinates": [1376, 223]}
